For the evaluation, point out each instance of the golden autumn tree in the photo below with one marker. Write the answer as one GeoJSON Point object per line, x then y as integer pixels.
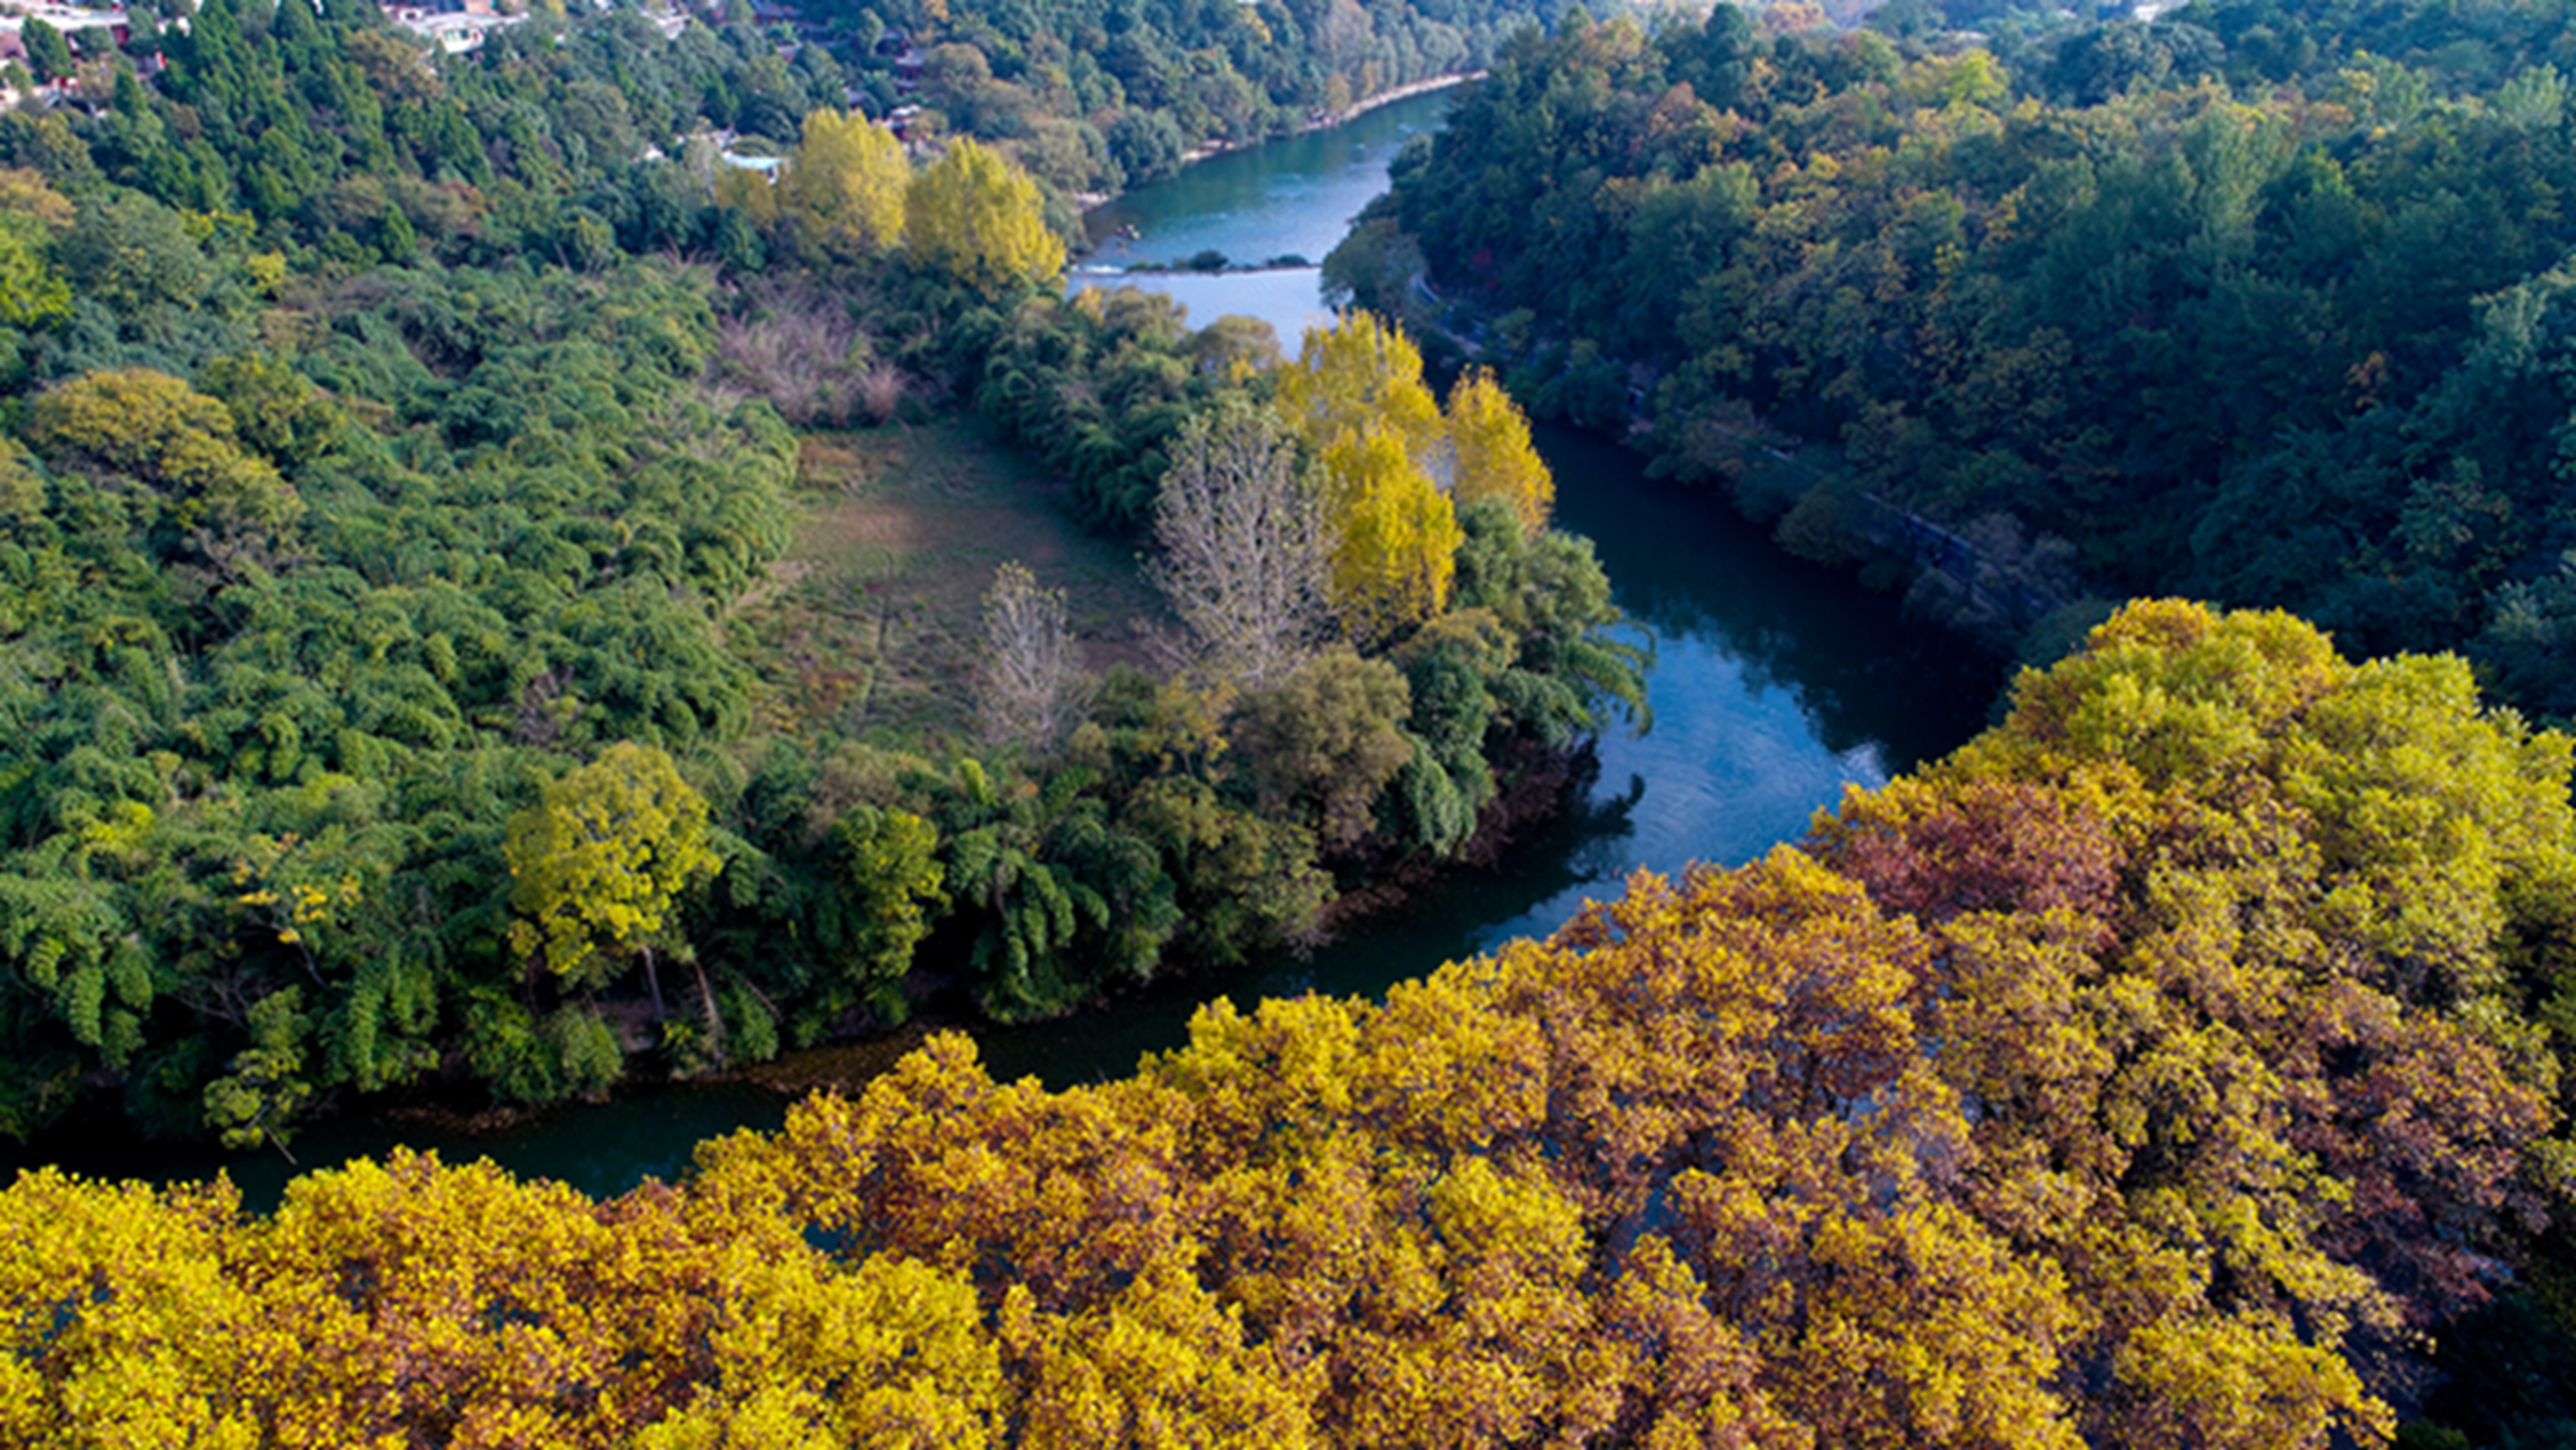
{"type": "Point", "coordinates": [1491, 456]}
{"type": "Point", "coordinates": [1375, 443]}
{"type": "Point", "coordinates": [125, 1316]}
{"type": "Point", "coordinates": [1362, 375]}
{"type": "Point", "coordinates": [600, 864]}
{"type": "Point", "coordinates": [844, 186]}
{"type": "Point", "coordinates": [412, 1302]}
{"type": "Point", "coordinates": [1396, 536]}
{"type": "Point", "coordinates": [173, 441]}
{"type": "Point", "coordinates": [754, 193]}
{"type": "Point", "coordinates": [2241, 931]}
{"type": "Point", "coordinates": [977, 217]}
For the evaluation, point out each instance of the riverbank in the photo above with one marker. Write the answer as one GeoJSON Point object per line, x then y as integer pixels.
{"type": "Point", "coordinates": [1327, 120]}
{"type": "Point", "coordinates": [1816, 506]}
{"type": "Point", "coordinates": [1404, 92]}
{"type": "Point", "coordinates": [1228, 268]}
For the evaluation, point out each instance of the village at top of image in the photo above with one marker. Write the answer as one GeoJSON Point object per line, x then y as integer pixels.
{"type": "Point", "coordinates": [47, 48]}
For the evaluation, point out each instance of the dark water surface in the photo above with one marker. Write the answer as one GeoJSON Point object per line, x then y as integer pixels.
{"type": "Point", "coordinates": [1777, 684]}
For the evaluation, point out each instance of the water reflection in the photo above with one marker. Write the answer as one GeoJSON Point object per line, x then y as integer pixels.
{"type": "Point", "coordinates": [1295, 195]}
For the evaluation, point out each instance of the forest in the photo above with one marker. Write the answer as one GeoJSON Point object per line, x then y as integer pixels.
{"type": "Point", "coordinates": [2151, 1071]}
{"type": "Point", "coordinates": [2254, 302]}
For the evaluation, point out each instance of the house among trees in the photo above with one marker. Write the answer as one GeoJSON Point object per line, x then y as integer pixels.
{"type": "Point", "coordinates": [66, 19]}
{"type": "Point", "coordinates": [69, 19]}
{"type": "Point", "coordinates": [456, 25]}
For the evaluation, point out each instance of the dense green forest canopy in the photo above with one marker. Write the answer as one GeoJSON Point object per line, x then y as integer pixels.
{"type": "Point", "coordinates": [390, 445]}
{"type": "Point", "coordinates": [2148, 1073]}
{"type": "Point", "coordinates": [2259, 302]}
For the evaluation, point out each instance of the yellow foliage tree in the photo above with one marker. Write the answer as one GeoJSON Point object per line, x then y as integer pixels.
{"type": "Point", "coordinates": [165, 435]}
{"type": "Point", "coordinates": [1362, 376]}
{"type": "Point", "coordinates": [977, 217]}
{"type": "Point", "coordinates": [1489, 441]}
{"type": "Point", "coordinates": [414, 1303]}
{"type": "Point", "coordinates": [845, 186]}
{"type": "Point", "coordinates": [599, 865]}
{"type": "Point", "coordinates": [1395, 547]}
{"type": "Point", "coordinates": [755, 194]}
{"type": "Point", "coordinates": [1356, 401]}
{"type": "Point", "coordinates": [123, 1319]}
{"type": "Point", "coordinates": [2104, 1084]}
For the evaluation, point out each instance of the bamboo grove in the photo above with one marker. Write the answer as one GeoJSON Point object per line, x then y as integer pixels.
{"type": "Point", "coordinates": [2145, 1073]}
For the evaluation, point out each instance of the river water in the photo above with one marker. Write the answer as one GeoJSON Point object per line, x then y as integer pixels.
{"type": "Point", "coordinates": [1777, 684]}
{"type": "Point", "coordinates": [1292, 198]}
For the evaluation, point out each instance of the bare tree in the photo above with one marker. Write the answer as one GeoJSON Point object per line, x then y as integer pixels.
{"type": "Point", "coordinates": [1246, 549]}
{"type": "Point", "coordinates": [1031, 684]}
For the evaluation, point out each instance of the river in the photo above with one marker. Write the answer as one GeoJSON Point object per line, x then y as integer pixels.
{"type": "Point", "coordinates": [1777, 684]}
{"type": "Point", "coordinates": [1290, 198]}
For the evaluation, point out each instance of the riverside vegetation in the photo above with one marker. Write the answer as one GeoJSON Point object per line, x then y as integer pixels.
{"type": "Point", "coordinates": [2261, 302]}
{"type": "Point", "coordinates": [2258, 302]}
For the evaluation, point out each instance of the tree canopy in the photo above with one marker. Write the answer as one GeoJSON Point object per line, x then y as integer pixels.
{"type": "Point", "coordinates": [599, 863]}
{"type": "Point", "coordinates": [395, 441]}
{"type": "Point", "coordinates": [971, 214]}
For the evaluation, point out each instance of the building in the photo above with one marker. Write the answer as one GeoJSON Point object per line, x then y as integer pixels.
{"type": "Point", "coordinates": [455, 26]}
{"type": "Point", "coordinates": [14, 15]}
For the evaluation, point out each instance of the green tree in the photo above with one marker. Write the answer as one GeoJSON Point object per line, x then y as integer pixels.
{"type": "Point", "coordinates": [258, 1099]}
{"type": "Point", "coordinates": [1320, 744]}
{"type": "Point", "coordinates": [33, 293]}
{"type": "Point", "coordinates": [133, 254]}
{"type": "Point", "coordinates": [887, 893]}
{"type": "Point", "coordinates": [600, 865]}
{"type": "Point", "coordinates": [48, 53]}
{"type": "Point", "coordinates": [177, 442]}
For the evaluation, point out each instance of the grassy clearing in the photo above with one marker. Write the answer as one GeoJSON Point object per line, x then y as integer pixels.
{"type": "Point", "coordinates": [869, 625]}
